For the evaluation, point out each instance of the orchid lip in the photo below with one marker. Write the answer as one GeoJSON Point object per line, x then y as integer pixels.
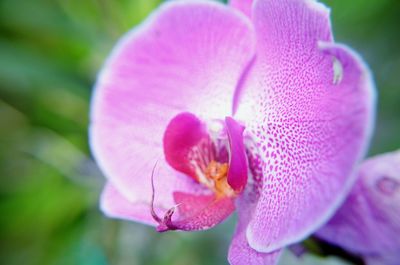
{"type": "Point", "coordinates": [216, 162]}
{"type": "Point", "coordinates": [209, 158]}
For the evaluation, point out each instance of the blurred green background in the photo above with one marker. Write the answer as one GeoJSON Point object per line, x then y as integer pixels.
{"type": "Point", "coordinates": [50, 52]}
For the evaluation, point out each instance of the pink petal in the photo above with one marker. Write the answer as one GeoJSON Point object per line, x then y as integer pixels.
{"type": "Point", "coordinates": [197, 212]}
{"type": "Point", "coordinates": [308, 106]}
{"type": "Point", "coordinates": [368, 223]}
{"type": "Point", "coordinates": [240, 252]}
{"type": "Point", "coordinates": [187, 56]}
{"type": "Point", "coordinates": [237, 174]}
{"type": "Point", "coordinates": [242, 5]}
{"type": "Point", "coordinates": [184, 133]}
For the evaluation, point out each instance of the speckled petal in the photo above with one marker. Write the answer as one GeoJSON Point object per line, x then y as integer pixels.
{"type": "Point", "coordinates": [368, 223]}
{"type": "Point", "coordinates": [240, 252]}
{"type": "Point", "coordinates": [308, 105]}
{"type": "Point", "coordinates": [187, 56]}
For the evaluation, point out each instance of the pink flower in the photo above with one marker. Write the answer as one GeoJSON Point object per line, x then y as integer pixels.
{"type": "Point", "coordinates": [252, 108]}
{"type": "Point", "coordinates": [368, 223]}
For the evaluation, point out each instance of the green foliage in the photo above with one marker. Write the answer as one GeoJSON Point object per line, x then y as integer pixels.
{"type": "Point", "coordinates": [50, 53]}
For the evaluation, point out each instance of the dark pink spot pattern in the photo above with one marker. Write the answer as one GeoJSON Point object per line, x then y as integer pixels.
{"type": "Point", "coordinates": [309, 123]}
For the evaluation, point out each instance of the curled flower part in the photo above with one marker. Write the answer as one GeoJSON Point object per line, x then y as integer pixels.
{"type": "Point", "coordinates": [237, 174]}
{"type": "Point", "coordinates": [368, 223]}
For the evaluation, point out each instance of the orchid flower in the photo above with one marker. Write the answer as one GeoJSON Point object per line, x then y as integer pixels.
{"type": "Point", "coordinates": [206, 109]}
{"type": "Point", "coordinates": [368, 223]}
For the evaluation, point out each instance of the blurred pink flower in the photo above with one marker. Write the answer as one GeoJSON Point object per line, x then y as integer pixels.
{"type": "Point", "coordinates": [368, 223]}
{"type": "Point", "coordinates": [250, 106]}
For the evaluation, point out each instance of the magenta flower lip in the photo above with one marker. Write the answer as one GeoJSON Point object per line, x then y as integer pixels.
{"type": "Point", "coordinates": [190, 149]}
{"type": "Point", "coordinates": [249, 106]}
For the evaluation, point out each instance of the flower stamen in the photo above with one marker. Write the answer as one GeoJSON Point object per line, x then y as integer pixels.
{"type": "Point", "coordinates": [218, 173]}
